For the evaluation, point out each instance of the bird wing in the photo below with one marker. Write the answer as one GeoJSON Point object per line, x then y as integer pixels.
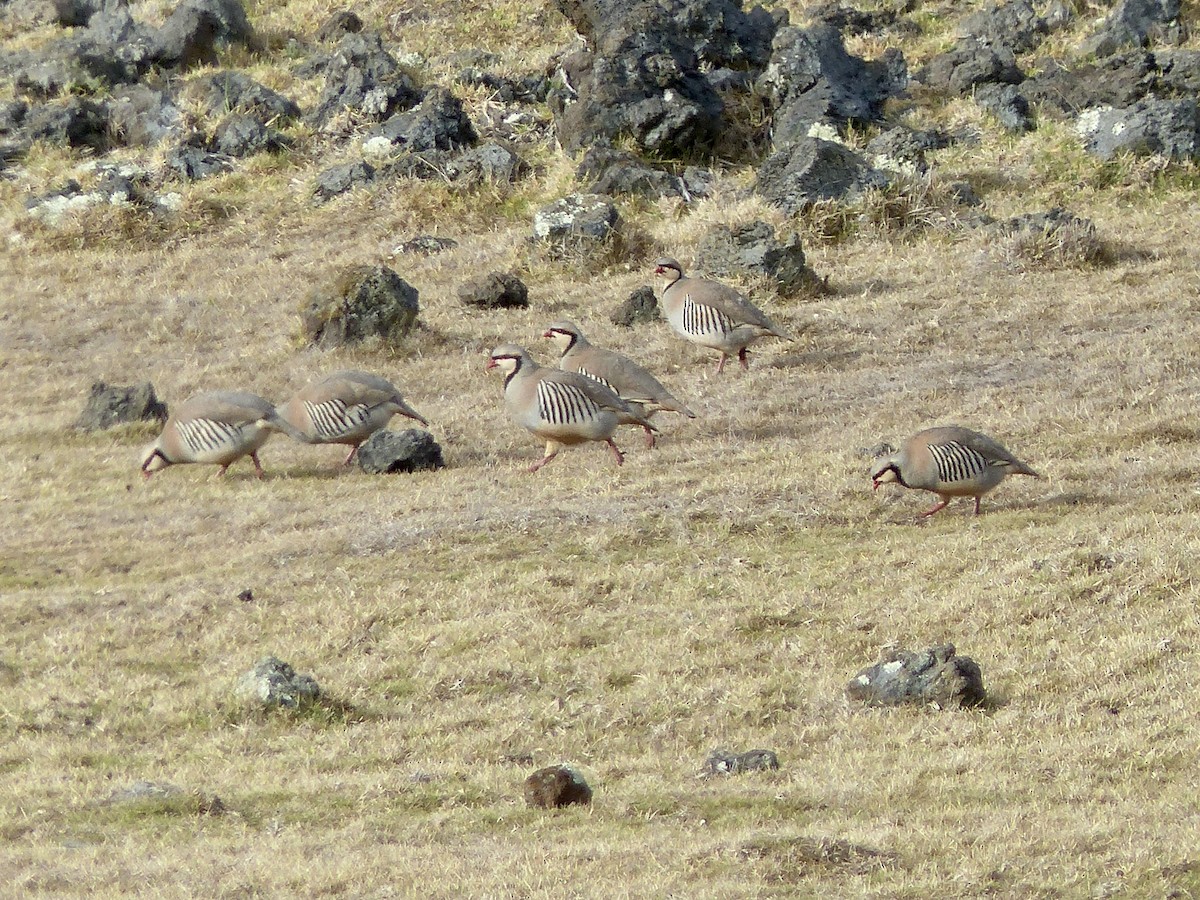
{"type": "Point", "coordinates": [993, 452]}
{"type": "Point", "coordinates": [729, 303]}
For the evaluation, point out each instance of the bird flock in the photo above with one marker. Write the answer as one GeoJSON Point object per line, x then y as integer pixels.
{"type": "Point", "coordinates": [592, 393]}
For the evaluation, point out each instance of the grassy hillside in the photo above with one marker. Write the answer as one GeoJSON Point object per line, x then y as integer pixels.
{"type": "Point", "coordinates": [471, 624]}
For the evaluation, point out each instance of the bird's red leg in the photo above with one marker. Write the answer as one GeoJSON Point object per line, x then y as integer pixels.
{"type": "Point", "coordinates": [350, 456]}
{"type": "Point", "coordinates": [649, 438]}
{"type": "Point", "coordinates": [928, 513]}
{"type": "Point", "coordinates": [551, 452]}
{"type": "Point", "coordinates": [258, 469]}
{"type": "Point", "coordinates": [977, 499]}
{"type": "Point", "coordinates": [617, 455]}
{"type": "Point", "coordinates": [742, 358]}
{"type": "Point", "coordinates": [721, 364]}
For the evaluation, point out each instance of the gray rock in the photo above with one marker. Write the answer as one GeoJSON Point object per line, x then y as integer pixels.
{"type": "Point", "coordinates": [639, 307]}
{"type": "Point", "coordinates": [363, 302]}
{"type": "Point", "coordinates": [903, 150]}
{"type": "Point", "coordinates": [188, 38]}
{"type": "Point", "coordinates": [577, 217]}
{"type": "Point", "coordinates": [813, 169]}
{"type": "Point", "coordinates": [240, 135]}
{"type": "Point", "coordinates": [141, 116]}
{"type": "Point", "coordinates": [1178, 73]}
{"type": "Point", "coordinates": [498, 290]}
{"type": "Point", "coordinates": [108, 405]}
{"type": "Point", "coordinates": [1135, 23]}
{"type": "Point", "coordinates": [812, 79]}
{"type": "Point", "coordinates": [273, 683]}
{"type": "Point", "coordinates": [75, 13]}
{"type": "Point", "coordinates": [556, 786]}
{"type": "Point", "coordinates": [338, 180]}
{"type": "Point", "coordinates": [969, 64]}
{"type": "Point", "coordinates": [722, 762]}
{"type": "Point", "coordinates": [1167, 127]}
{"type": "Point", "coordinates": [73, 122]}
{"type": "Point", "coordinates": [1008, 105]}
{"type": "Point", "coordinates": [934, 676]}
{"type": "Point", "coordinates": [753, 249]}
{"type": "Point", "coordinates": [363, 78]}
{"type": "Point", "coordinates": [639, 74]}
{"type": "Point", "coordinates": [1016, 26]}
{"type": "Point", "coordinates": [1120, 80]}
{"type": "Point", "coordinates": [410, 450]}
{"type": "Point", "coordinates": [605, 170]}
{"type": "Point", "coordinates": [489, 163]}
{"type": "Point", "coordinates": [438, 123]}
{"type": "Point", "coordinates": [195, 163]}
{"type": "Point", "coordinates": [227, 92]}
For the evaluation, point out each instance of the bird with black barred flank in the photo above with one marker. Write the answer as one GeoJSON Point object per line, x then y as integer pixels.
{"type": "Point", "coordinates": [711, 314]}
{"type": "Point", "coordinates": [631, 382]}
{"type": "Point", "coordinates": [345, 408]}
{"type": "Point", "coordinates": [949, 461]}
{"type": "Point", "coordinates": [561, 408]}
{"type": "Point", "coordinates": [216, 427]}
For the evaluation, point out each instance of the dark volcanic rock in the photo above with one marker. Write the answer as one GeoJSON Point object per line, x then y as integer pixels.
{"type": "Point", "coordinates": [903, 150]}
{"type": "Point", "coordinates": [1007, 104]}
{"type": "Point", "coordinates": [960, 70]}
{"type": "Point", "coordinates": [438, 123]}
{"type": "Point", "coordinates": [640, 306]}
{"type": "Point", "coordinates": [141, 116]}
{"type": "Point", "coordinates": [1167, 127]}
{"type": "Point", "coordinates": [813, 169]}
{"type": "Point", "coordinates": [227, 92]}
{"type": "Point", "coordinates": [363, 302]}
{"type": "Point", "coordinates": [73, 122]}
{"type": "Point", "coordinates": [811, 78]}
{"type": "Point", "coordinates": [340, 179]}
{"type": "Point", "coordinates": [1016, 26]}
{"type": "Point", "coordinates": [110, 405]}
{"type": "Point", "coordinates": [556, 786]}
{"type": "Point", "coordinates": [605, 170]}
{"type": "Point", "coordinates": [491, 163]}
{"type": "Point", "coordinates": [195, 162]}
{"type": "Point", "coordinates": [640, 73]}
{"type": "Point", "coordinates": [753, 249]}
{"type": "Point", "coordinates": [1135, 23]}
{"type": "Point", "coordinates": [499, 290]}
{"type": "Point", "coordinates": [1120, 80]}
{"type": "Point", "coordinates": [363, 78]}
{"type": "Point", "coordinates": [934, 676]}
{"type": "Point", "coordinates": [410, 450]}
{"type": "Point", "coordinates": [242, 135]}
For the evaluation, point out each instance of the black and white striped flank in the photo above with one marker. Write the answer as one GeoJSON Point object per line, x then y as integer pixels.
{"type": "Point", "coordinates": [699, 319]}
{"type": "Point", "coordinates": [564, 404]}
{"type": "Point", "coordinates": [956, 463]}
{"type": "Point", "coordinates": [209, 435]}
{"type": "Point", "coordinates": [333, 418]}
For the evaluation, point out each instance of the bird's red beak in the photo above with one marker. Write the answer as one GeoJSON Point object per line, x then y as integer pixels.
{"type": "Point", "coordinates": [547, 334]}
{"type": "Point", "coordinates": [491, 364]}
{"type": "Point", "coordinates": [875, 484]}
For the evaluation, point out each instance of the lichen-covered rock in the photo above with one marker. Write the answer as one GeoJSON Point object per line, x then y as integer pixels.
{"type": "Point", "coordinates": [362, 78]}
{"type": "Point", "coordinates": [410, 450]}
{"type": "Point", "coordinates": [274, 683]}
{"type": "Point", "coordinates": [363, 302]}
{"type": "Point", "coordinates": [722, 762]}
{"type": "Point", "coordinates": [585, 217]}
{"type": "Point", "coordinates": [935, 676]}
{"type": "Point", "coordinates": [815, 169]}
{"type": "Point", "coordinates": [438, 123]}
{"type": "Point", "coordinates": [109, 404]}
{"type": "Point", "coordinates": [556, 786]}
{"type": "Point", "coordinates": [340, 179]}
{"type": "Point", "coordinates": [496, 290]}
{"type": "Point", "coordinates": [229, 91]}
{"type": "Point", "coordinates": [1167, 127]}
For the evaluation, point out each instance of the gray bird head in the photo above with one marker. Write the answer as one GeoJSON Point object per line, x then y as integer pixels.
{"type": "Point", "coordinates": [508, 359]}
{"type": "Point", "coordinates": [563, 334]}
{"type": "Point", "coordinates": [153, 460]}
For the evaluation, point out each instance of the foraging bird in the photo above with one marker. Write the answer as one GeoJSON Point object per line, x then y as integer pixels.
{"type": "Point", "coordinates": [561, 408]}
{"type": "Point", "coordinates": [345, 408]}
{"type": "Point", "coordinates": [218, 427]}
{"type": "Point", "coordinates": [627, 379]}
{"type": "Point", "coordinates": [951, 462]}
{"type": "Point", "coordinates": [711, 314]}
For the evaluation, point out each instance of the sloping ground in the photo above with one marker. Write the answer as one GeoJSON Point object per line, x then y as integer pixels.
{"type": "Point", "coordinates": [473, 623]}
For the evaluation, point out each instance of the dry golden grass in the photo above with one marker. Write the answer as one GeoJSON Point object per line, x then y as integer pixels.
{"type": "Point", "coordinates": [473, 623]}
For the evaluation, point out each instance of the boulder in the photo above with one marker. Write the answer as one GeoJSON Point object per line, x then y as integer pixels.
{"type": "Point", "coordinates": [195, 162]}
{"type": "Point", "coordinates": [812, 79]}
{"type": "Point", "coordinates": [587, 218]}
{"type": "Point", "coordinates": [1136, 23]}
{"type": "Point", "coordinates": [639, 74]}
{"type": "Point", "coordinates": [605, 170]}
{"type": "Point", "coordinates": [814, 169]}
{"type": "Point", "coordinates": [341, 179]}
{"type": "Point", "coordinates": [1015, 26]}
{"type": "Point", "coordinates": [410, 450]}
{"type": "Point", "coordinates": [361, 77]}
{"type": "Point", "coordinates": [491, 163]}
{"type": "Point", "coordinates": [499, 290]}
{"type": "Point", "coordinates": [363, 302]}
{"type": "Point", "coordinates": [239, 135]}
{"type": "Point", "coordinates": [902, 150]}
{"type": "Point", "coordinates": [935, 676]}
{"type": "Point", "coordinates": [969, 64]}
{"type": "Point", "coordinates": [753, 249]}
{"type": "Point", "coordinates": [1167, 127]}
{"type": "Point", "coordinates": [1120, 80]}
{"type": "Point", "coordinates": [229, 91]}
{"type": "Point", "coordinates": [1008, 105]}
{"type": "Point", "coordinates": [109, 404]}
{"type": "Point", "coordinates": [73, 122]}
{"type": "Point", "coordinates": [639, 307]}
{"type": "Point", "coordinates": [274, 683]}
{"type": "Point", "coordinates": [438, 123]}
{"type": "Point", "coordinates": [142, 116]}
{"type": "Point", "coordinates": [722, 762]}
{"type": "Point", "coordinates": [556, 786]}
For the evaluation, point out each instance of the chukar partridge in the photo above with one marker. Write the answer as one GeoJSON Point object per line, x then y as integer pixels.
{"type": "Point", "coordinates": [561, 408]}
{"type": "Point", "coordinates": [218, 427]}
{"type": "Point", "coordinates": [951, 462]}
{"type": "Point", "coordinates": [711, 314]}
{"type": "Point", "coordinates": [631, 382]}
{"type": "Point", "coordinates": [345, 408]}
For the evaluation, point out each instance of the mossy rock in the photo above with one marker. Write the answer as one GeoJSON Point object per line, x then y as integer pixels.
{"type": "Point", "coordinates": [362, 302]}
